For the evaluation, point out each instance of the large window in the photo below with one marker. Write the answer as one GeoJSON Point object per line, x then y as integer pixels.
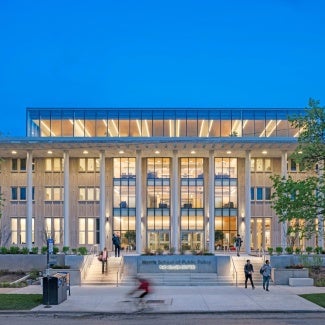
{"type": "Point", "coordinates": [192, 203]}
{"type": "Point", "coordinates": [18, 230]}
{"type": "Point", "coordinates": [158, 195]}
{"type": "Point", "coordinates": [54, 193]}
{"type": "Point", "coordinates": [124, 183]}
{"type": "Point", "coordinates": [88, 193]}
{"type": "Point", "coordinates": [88, 230]}
{"type": "Point", "coordinates": [54, 164]}
{"type": "Point", "coordinates": [226, 198]}
{"type": "Point", "coordinates": [54, 228]}
{"type": "Point", "coordinates": [19, 193]}
{"type": "Point", "coordinates": [89, 165]}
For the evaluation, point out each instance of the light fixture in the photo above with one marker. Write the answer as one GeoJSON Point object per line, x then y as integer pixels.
{"type": "Point", "coordinates": [228, 152]}
{"type": "Point", "coordinates": [264, 152]}
{"type": "Point", "coordinates": [14, 152]}
{"type": "Point", "coordinates": [85, 152]}
{"type": "Point", "coordinates": [121, 152]}
{"type": "Point", "coordinates": [157, 151]}
{"type": "Point", "coordinates": [300, 152]}
{"type": "Point", "coordinates": [50, 152]}
{"type": "Point", "coordinates": [193, 152]}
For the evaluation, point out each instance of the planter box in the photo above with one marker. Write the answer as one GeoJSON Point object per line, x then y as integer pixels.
{"type": "Point", "coordinates": [281, 276]}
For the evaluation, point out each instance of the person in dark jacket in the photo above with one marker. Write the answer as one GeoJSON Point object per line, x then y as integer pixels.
{"type": "Point", "coordinates": [238, 242]}
{"type": "Point", "coordinates": [117, 245]}
{"type": "Point", "coordinates": [266, 273]}
{"type": "Point", "coordinates": [249, 270]}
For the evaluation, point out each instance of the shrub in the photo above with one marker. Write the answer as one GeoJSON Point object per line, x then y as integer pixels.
{"type": "Point", "coordinates": [14, 250]}
{"type": "Point", "coordinates": [55, 249]}
{"type": "Point", "coordinates": [3, 250]}
{"type": "Point", "coordinates": [289, 249]}
{"type": "Point", "coordinates": [74, 250]}
{"type": "Point", "coordinates": [298, 250]}
{"type": "Point", "coordinates": [279, 250]}
{"type": "Point", "coordinates": [34, 250]}
{"type": "Point", "coordinates": [172, 251]}
{"type": "Point", "coordinates": [82, 250]}
{"type": "Point", "coordinates": [318, 250]}
{"type": "Point", "coordinates": [44, 249]}
{"type": "Point", "coordinates": [309, 249]}
{"type": "Point", "coordinates": [65, 249]}
{"type": "Point", "coordinates": [270, 250]}
{"type": "Point", "coordinates": [25, 250]}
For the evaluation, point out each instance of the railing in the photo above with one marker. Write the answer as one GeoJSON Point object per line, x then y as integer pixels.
{"type": "Point", "coordinates": [234, 271]}
{"type": "Point", "coordinates": [88, 259]}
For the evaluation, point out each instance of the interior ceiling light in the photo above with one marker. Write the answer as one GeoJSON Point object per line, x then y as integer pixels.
{"type": "Point", "coordinates": [121, 151]}
{"type": "Point", "coordinates": [264, 152]}
{"type": "Point", "coordinates": [193, 152]}
{"type": "Point", "coordinates": [85, 152]}
{"type": "Point", "coordinates": [157, 151]}
{"type": "Point", "coordinates": [228, 152]}
{"type": "Point", "coordinates": [50, 152]}
{"type": "Point", "coordinates": [14, 152]}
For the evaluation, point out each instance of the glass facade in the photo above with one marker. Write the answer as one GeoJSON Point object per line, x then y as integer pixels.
{"type": "Point", "coordinates": [168, 123]}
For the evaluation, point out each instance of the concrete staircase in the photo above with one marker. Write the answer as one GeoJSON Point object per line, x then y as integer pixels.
{"type": "Point", "coordinates": [239, 263]}
{"type": "Point", "coordinates": [114, 275]}
{"type": "Point", "coordinates": [111, 277]}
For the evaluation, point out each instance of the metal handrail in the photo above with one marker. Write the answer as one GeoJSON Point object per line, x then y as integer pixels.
{"type": "Point", "coordinates": [234, 271]}
{"type": "Point", "coordinates": [88, 260]}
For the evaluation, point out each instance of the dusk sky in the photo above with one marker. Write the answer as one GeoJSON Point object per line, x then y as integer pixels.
{"type": "Point", "coordinates": [152, 53]}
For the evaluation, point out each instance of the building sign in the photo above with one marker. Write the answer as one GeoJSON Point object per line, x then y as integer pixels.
{"type": "Point", "coordinates": [177, 263]}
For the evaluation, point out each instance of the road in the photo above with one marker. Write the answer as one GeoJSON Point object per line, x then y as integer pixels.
{"type": "Point", "coordinates": [315, 318]}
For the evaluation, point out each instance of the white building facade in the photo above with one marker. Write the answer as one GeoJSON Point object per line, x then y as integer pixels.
{"type": "Point", "coordinates": [169, 179]}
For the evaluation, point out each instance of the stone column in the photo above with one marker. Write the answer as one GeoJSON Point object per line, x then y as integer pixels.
{"type": "Point", "coordinates": [66, 202]}
{"type": "Point", "coordinates": [175, 203]}
{"type": "Point", "coordinates": [102, 202]}
{"type": "Point", "coordinates": [247, 202]}
{"type": "Point", "coordinates": [29, 221]}
{"type": "Point", "coordinates": [138, 201]}
{"type": "Point", "coordinates": [211, 202]}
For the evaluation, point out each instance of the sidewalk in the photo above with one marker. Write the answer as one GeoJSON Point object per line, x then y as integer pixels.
{"type": "Point", "coordinates": [181, 299]}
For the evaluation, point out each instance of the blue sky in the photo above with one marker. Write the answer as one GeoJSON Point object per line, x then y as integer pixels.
{"type": "Point", "coordinates": [158, 53]}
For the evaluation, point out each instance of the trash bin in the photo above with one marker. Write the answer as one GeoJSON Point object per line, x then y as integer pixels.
{"type": "Point", "coordinates": [54, 289]}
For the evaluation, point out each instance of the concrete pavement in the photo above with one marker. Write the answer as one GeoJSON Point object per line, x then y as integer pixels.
{"type": "Point", "coordinates": [181, 299]}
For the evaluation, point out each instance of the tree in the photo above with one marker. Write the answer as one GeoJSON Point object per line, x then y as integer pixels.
{"type": "Point", "coordinates": [301, 202]}
{"type": "Point", "coordinates": [311, 141]}
{"type": "Point", "coordinates": [295, 202]}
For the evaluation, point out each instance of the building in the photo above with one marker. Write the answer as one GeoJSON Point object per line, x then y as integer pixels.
{"type": "Point", "coordinates": [163, 179]}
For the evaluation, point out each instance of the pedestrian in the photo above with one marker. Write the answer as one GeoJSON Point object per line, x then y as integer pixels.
{"type": "Point", "coordinates": [249, 270]}
{"type": "Point", "coordinates": [238, 242]}
{"type": "Point", "coordinates": [104, 257]}
{"type": "Point", "coordinates": [266, 272]}
{"type": "Point", "coordinates": [117, 245]}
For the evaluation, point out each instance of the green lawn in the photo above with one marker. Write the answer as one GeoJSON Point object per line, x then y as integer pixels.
{"type": "Point", "coordinates": [316, 298]}
{"type": "Point", "coordinates": [20, 301]}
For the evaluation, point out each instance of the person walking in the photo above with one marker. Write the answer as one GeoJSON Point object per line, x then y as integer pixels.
{"type": "Point", "coordinates": [266, 272]}
{"type": "Point", "coordinates": [117, 245]}
{"type": "Point", "coordinates": [249, 270]}
{"type": "Point", "coordinates": [238, 242]}
{"type": "Point", "coordinates": [104, 257]}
